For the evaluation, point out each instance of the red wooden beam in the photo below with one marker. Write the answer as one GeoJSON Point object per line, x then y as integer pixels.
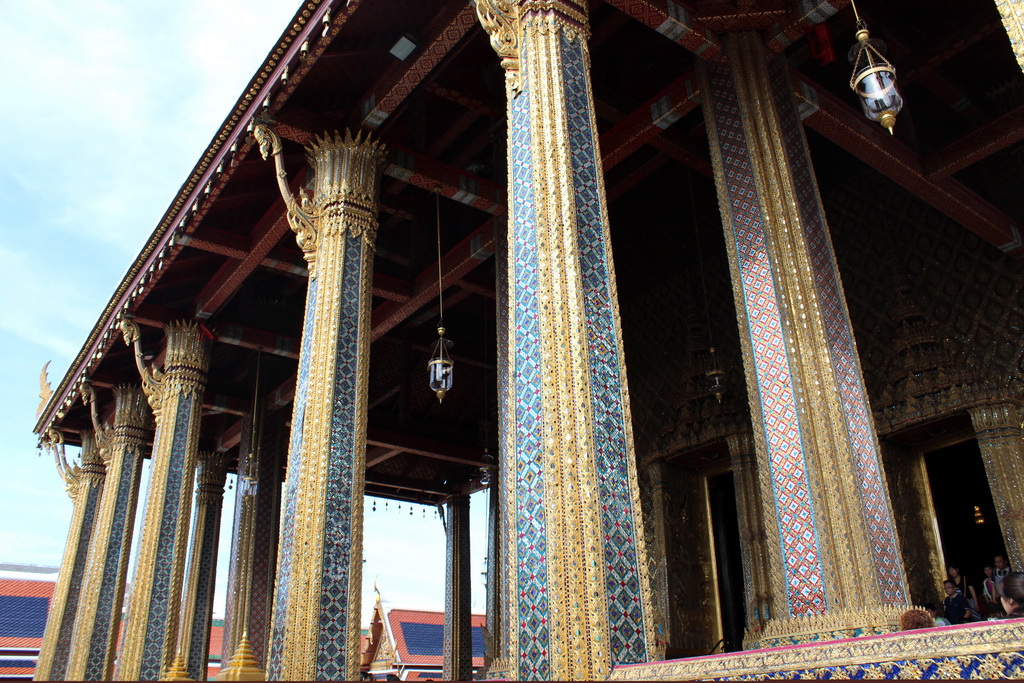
{"type": "Point", "coordinates": [674, 21]}
{"type": "Point", "coordinates": [867, 141]}
{"type": "Point", "coordinates": [976, 145]}
{"type": "Point", "coordinates": [265, 235]}
{"type": "Point", "coordinates": [803, 16]}
{"type": "Point", "coordinates": [395, 85]}
{"type": "Point", "coordinates": [434, 176]}
{"type": "Point", "coordinates": [463, 257]}
{"type": "Point", "coordinates": [648, 120]}
{"type": "Point", "coordinates": [418, 445]}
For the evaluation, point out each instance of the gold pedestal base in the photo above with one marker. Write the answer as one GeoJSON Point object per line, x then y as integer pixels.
{"type": "Point", "coordinates": [833, 625]}
{"type": "Point", "coordinates": [177, 671]}
{"type": "Point", "coordinates": [243, 665]}
{"type": "Point", "coordinates": [988, 650]}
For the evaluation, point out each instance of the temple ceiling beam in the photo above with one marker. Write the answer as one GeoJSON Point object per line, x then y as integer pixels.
{"type": "Point", "coordinates": [977, 145]}
{"type": "Point", "coordinates": [837, 121]}
{"type": "Point", "coordinates": [442, 39]}
{"type": "Point", "coordinates": [675, 22]}
{"type": "Point", "coordinates": [473, 250]}
{"type": "Point", "coordinates": [419, 445]}
{"type": "Point", "coordinates": [647, 121]}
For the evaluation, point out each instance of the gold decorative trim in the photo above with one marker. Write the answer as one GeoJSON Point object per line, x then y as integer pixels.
{"type": "Point", "coordinates": [905, 648]}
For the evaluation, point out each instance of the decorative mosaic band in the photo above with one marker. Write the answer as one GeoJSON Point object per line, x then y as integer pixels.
{"type": "Point", "coordinates": [291, 486]}
{"type": "Point", "coordinates": [524, 460]}
{"type": "Point", "coordinates": [160, 636]}
{"type": "Point", "coordinates": [458, 635]}
{"type": "Point", "coordinates": [57, 638]}
{"type": "Point", "coordinates": [614, 459]}
{"type": "Point", "coordinates": [202, 563]}
{"type": "Point", "coordinates": [96, 638]}
{"type": "Point", "coordinates": [760, 312]}
{"type": "Point", "coordinates": [342, 547]}
{"type": "Point", "coordinates": [842, 348]}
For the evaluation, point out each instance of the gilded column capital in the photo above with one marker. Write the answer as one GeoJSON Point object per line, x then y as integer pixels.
{"type": "Point", "coordinates": [996, 415]}
{"type": "Point", "coordinates": [211, 472]}
{"type": "Point", "coordinates": [102, 433]}
{"type": "Point", "coordinates": [346, 178]}
{"type": "Point", "coordinates": [130, 409]}
{"type": "Point", "coordinates": [345, 184]}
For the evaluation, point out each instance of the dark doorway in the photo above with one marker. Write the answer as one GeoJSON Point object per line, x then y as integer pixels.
{"type": "Point", "coordinates": [728, 562]}
{"type": "Point", "coordinates": [968, 528]}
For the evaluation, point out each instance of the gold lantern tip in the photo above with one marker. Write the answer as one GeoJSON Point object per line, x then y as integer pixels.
{"type": "Point", "coordinates": [888, 121]}
{"type": "Point", "coordinates": [440, 331]}
{"type": "Point", "coordinates": [440, 395]}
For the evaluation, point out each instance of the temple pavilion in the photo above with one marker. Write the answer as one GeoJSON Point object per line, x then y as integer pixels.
{"type": "Point", "coordinates": [424, 252]}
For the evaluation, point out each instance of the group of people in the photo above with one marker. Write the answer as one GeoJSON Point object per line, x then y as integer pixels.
{"type": "Point", "coordinates": [1001, 597]}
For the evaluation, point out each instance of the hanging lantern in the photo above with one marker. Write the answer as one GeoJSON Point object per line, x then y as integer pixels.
{"type": "Point", "coordinates": [716, 377]}
{"type": "Point", "coordinates": [874, 78]}
{"type": "Point", "coordinates": [440, 366]}
{"type": "Point", "coordinates": [486, 467]}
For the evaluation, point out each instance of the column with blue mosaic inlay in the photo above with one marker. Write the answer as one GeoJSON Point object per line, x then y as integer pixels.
{"type": "Point", "coordinates": [836, 569]}
{"type": "Point", "coordinates": [458, 641]}
{"type": "Point", "coordinates": [84, 483]}
{"type": "Point", "coordinates": [99, 611]}
{"type": "Point", "coordinates": [316, 615]}
{"type": "Point", "coordinates": [580, 601]}
{"type": "Point", "coordinates": [175, 393]}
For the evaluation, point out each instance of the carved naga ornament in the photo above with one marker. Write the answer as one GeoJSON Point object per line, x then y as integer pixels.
{"type": "Point", "coordinates": [52, 442]}
{"type": "Point", "coordinates": [300, 212]}
{"type": "Point", "coordinates": [152, 378]}
{"type": "Point", "coordinates": [501, 20]}
{"type": "Point", "coordinates": [102, 433]}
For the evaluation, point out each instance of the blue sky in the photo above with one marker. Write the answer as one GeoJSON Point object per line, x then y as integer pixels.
{"type": "Point", "coordinates": [105, 107]}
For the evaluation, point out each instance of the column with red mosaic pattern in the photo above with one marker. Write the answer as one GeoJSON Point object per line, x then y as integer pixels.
{"type": "Point", "coordinates": [836, 567]}
{"type": "Point", "coordinates": [579, 599]}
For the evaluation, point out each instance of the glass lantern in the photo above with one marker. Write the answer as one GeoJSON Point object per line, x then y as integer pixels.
{"type": "Point", "coordinates": [715, 377]}
{"type": "Point", "coordinates": [874, 79]}
{"type": "Point", "coordinates": [440, 366]}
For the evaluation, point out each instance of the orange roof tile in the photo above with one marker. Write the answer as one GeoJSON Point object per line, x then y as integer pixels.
{"type": "Point", "coordinates": [23, 588]}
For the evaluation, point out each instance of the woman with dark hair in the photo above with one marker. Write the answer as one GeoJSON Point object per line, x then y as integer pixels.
{"type": "Point", "coordinates": [1012, 589]}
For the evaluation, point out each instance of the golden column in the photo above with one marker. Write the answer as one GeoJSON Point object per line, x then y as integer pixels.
{"type": "Point", "coordinates": [918, 529]}
{"type": "Point", "coordinates": [835, 563]}
{"type": "Point", "coordinates": [580, 600]}
{"type": "Point", "coordinates": [176, 395]}
{"type": "Point", "coordinates": [99, 609]}
{"type": "Point", "coordinates": [193, 649]}
{"type": "Point", "coordinates": [1012, 14]}
{"type": "Point", "coordinates": [458, 634]}
{"type": "Point", "coordinates": [1001, 438]}
{"type": "Point", "coordinates": [317, 602]}
{"type": "Point", "coordinates": [752, 536]}
{"type": "Point", "coordinates": [84, 484]}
